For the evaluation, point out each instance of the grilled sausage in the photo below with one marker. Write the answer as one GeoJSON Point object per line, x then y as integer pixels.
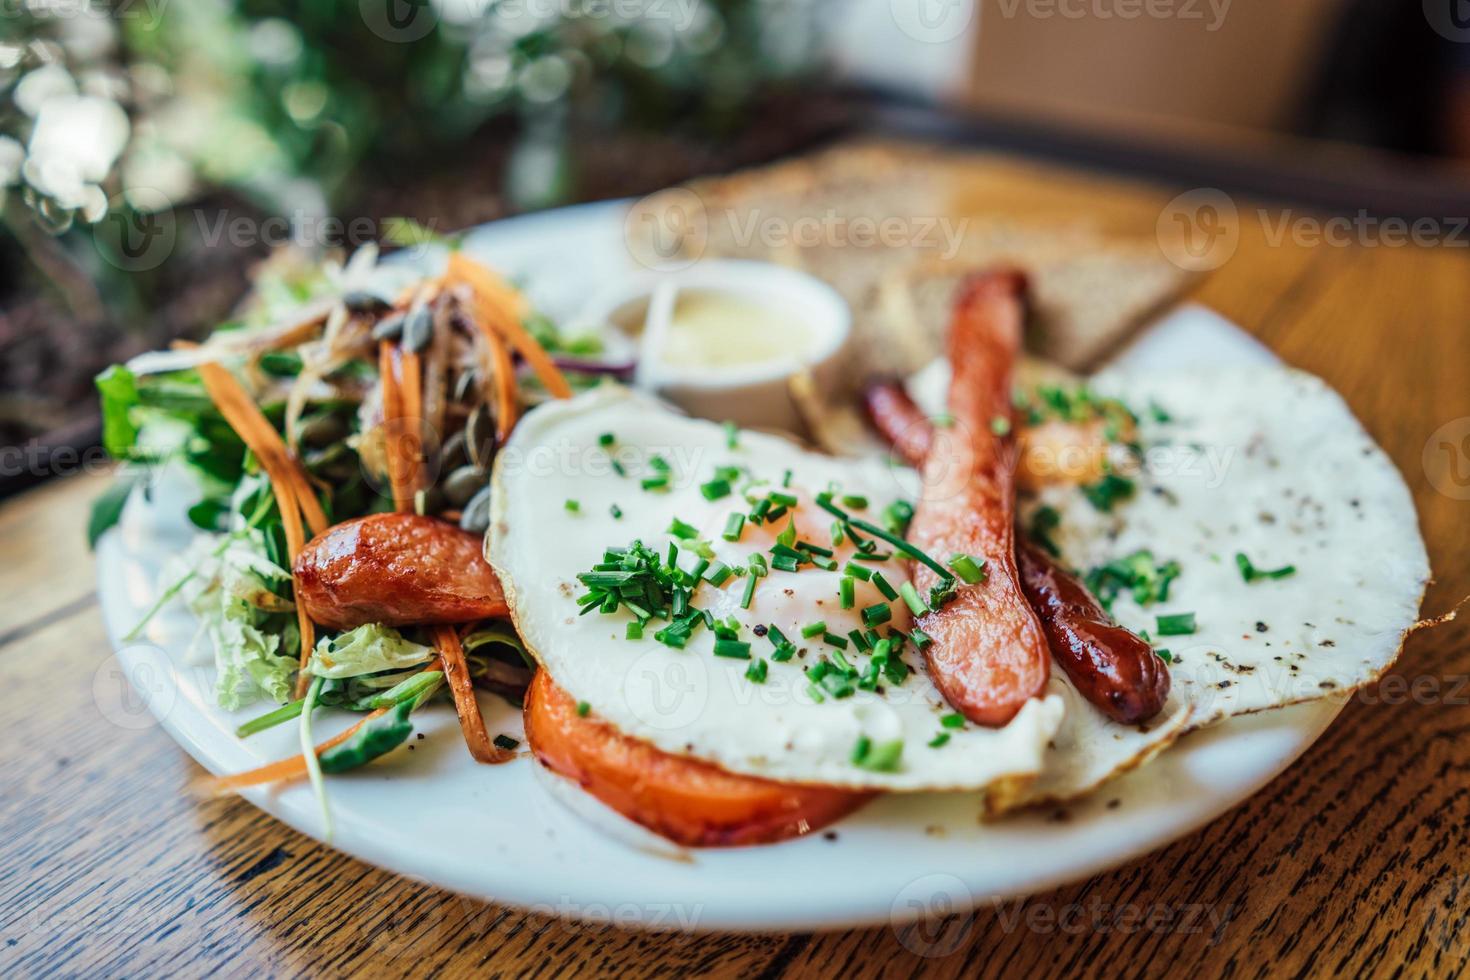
{"type": "Point", "coordinates": [399, 570]}
{"type": "Point", "coordinates": [989, 655]}
{"type": "Point", "coordinates": [1114, 669]}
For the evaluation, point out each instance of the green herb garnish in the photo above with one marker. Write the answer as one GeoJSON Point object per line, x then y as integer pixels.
{"type": "Point", "coordinates": [1178, 624]}
{"type": "Point", "coordinates": [1250, 573]}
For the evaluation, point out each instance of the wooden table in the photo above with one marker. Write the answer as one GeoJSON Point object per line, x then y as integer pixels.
{"type": "Point", "coordinates": [1355, 861]}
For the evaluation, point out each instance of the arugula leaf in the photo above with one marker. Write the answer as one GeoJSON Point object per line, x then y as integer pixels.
{"type": "Point", "coordinates": [379, 736]}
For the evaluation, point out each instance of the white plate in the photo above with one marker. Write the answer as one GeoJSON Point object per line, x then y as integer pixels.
{"type": "Point", "coordinates": [497, 833]}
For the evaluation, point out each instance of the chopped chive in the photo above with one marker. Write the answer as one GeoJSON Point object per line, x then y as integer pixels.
{"type": "Point", "coordinates": [813, 629]}
{"type": "Point", "coordinates": [883, 757]}
{"type": "Point", "coordinates": [788, 534]}
{"type": "Point", "coordinates": [920, 638]}
{"type": "Point", "coordinates": [878, 613]}
{"type": "Point", "coordinates": [682, 531]}
{"type": "Point", "coordinates": [901, 545]}
{"type": "Point", "coordinates": [968, 568]}
{"type": "Point", "coordinates": [816, 693]}
{"type": "Point", "coordinates": [953, 720]}
{"type": "Point", "coordinates": [1000, 425]}
{"type": "Point", "coordinates": [507, 743]}
{"type": "Point", "coordinates": [749, 594]}
{"type": "Point", "coordinates": [939, 740]}
{"type": "Point", "coordinates": [857, 571]}
{"type": "Point", "coordinates": [660, 482]}
{"type": "Point", "coordinates": [715, 489]}
{"type": "Point", "coordinates": [734, 649]}
{"type": "Point", "coordinates": [756, 672]}
{"type": "Point", "coordinates": [734, 525]}
{"type": "Point", "coordinates": [1250, 573]}
{"type": "Point", "coordinates": [633, 632]}
{"type": "Point", "coordinates": [583, 709]}
{"type": "Point", "coordinates": [897, 516]}
{"type": "Point", "coordinates": [783, 499]}
{"type": "Point", "coordinates": [616, 512]}
{"type": "Point", "coordinates": [718, 574]}
{"type": "Point", "coordinates": [783, 653]}
{"type": "Point", "coordinates": [812, 549]}
{"type": "Point", "coordinates": [732, 435]}
{"type": "Point", "coordinates": [855, 501]}
{"type": "Point", "coordinates": [846, 592]}
{"type": "Point", "coordinates": [618, 468]}
{"type": "Point", "coordinates": [838, 535]}
{"type": "Point", "coordinates": [1179, 624]}
{"type": "Point", "coordinates": [832, 639]}
{"type": "Point", "coordinates": [776, 637]}
{"type": "Point", "coordinates": [572, 506]}
{"type": "Point", "coordinates": [911, 598]}
{"type": "Point", "coordinates": [606, 439]}
{"type": "Point", "coordinates": [825, 564]}
{"type": "Point", "coordinates": [1165, 656]}
{"type": "Point", "coordinates": [1105, 493]}
{"type": "Point", "coordinates": [838, 686]}
{"type": "Point", "coordinates": [786, 479]}
{"type": "Point", "coordinates": [859, 641]}
{"type": "Point", "coordinates": [887, 590]}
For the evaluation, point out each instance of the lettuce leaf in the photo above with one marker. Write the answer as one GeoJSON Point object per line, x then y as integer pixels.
{"type": "Point", "coordinates": [368, 649]}
{"type": "Point", "coordinates": [251, 628]}
{"type": "Point", "coordinates": [247, 664]}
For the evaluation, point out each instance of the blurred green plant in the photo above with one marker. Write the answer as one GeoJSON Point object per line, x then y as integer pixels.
{"type": "Point", "coordinates": [293, 103]}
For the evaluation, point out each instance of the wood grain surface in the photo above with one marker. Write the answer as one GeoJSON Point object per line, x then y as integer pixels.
{"type": "Point", "coordinates": [1354, 862]}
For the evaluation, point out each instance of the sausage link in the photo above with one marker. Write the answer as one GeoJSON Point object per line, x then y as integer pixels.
{"type": "Point", "coordinates": [1114, 669]}
{"type": "Point", "coordinates": [398, 570]}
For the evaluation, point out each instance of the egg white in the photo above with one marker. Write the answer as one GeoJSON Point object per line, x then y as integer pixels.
{"type": "Point", "coordinates": [688, 701]}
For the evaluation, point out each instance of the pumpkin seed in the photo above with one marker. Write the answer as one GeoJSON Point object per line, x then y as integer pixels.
{"type": "Point", "coordinates": [362, 301]}
{"type": "Point", "coordinates": [453, 454]}
{"type": "Point", "coordinates": [476, 515]}
{"type": "Point", "coordinates": [465, 385]}
{"type": "Point", "coordinates": [418, 329]}
{"type": "Point", "coordinates": [463, 484]}
{"type": "Point", "coordinates": [389, 327]}
{"type": "Point", "coordinates": [480, 436]}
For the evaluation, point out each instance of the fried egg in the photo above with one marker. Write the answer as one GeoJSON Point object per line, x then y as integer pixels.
{"type": "Point", "coordinates": [1300, 567]}
{"type": "Point", "coordinates": [612, 467]}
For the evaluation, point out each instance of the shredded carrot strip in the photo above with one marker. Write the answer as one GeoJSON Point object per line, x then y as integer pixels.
{"type": "Point", "coordinates": [411, 394]}
{"type": "Point", "coordinates": [246, 418]}
{"type": "Point", "coordinates": [283, 769]}
{"type": "Point", "coordinates": [392, 421]}
{"type": "Point", "coordinates": [506, 409]}
{"type": "Point", "coordinates": [500, 308]}
{"type": "Point", "coordinates": [457, 673]}
{"type": "Point", "coordinates": [288, 483]}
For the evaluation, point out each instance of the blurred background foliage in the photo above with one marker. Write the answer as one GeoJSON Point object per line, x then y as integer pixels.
{"type": "Point", "coordinates": [116, 114]}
